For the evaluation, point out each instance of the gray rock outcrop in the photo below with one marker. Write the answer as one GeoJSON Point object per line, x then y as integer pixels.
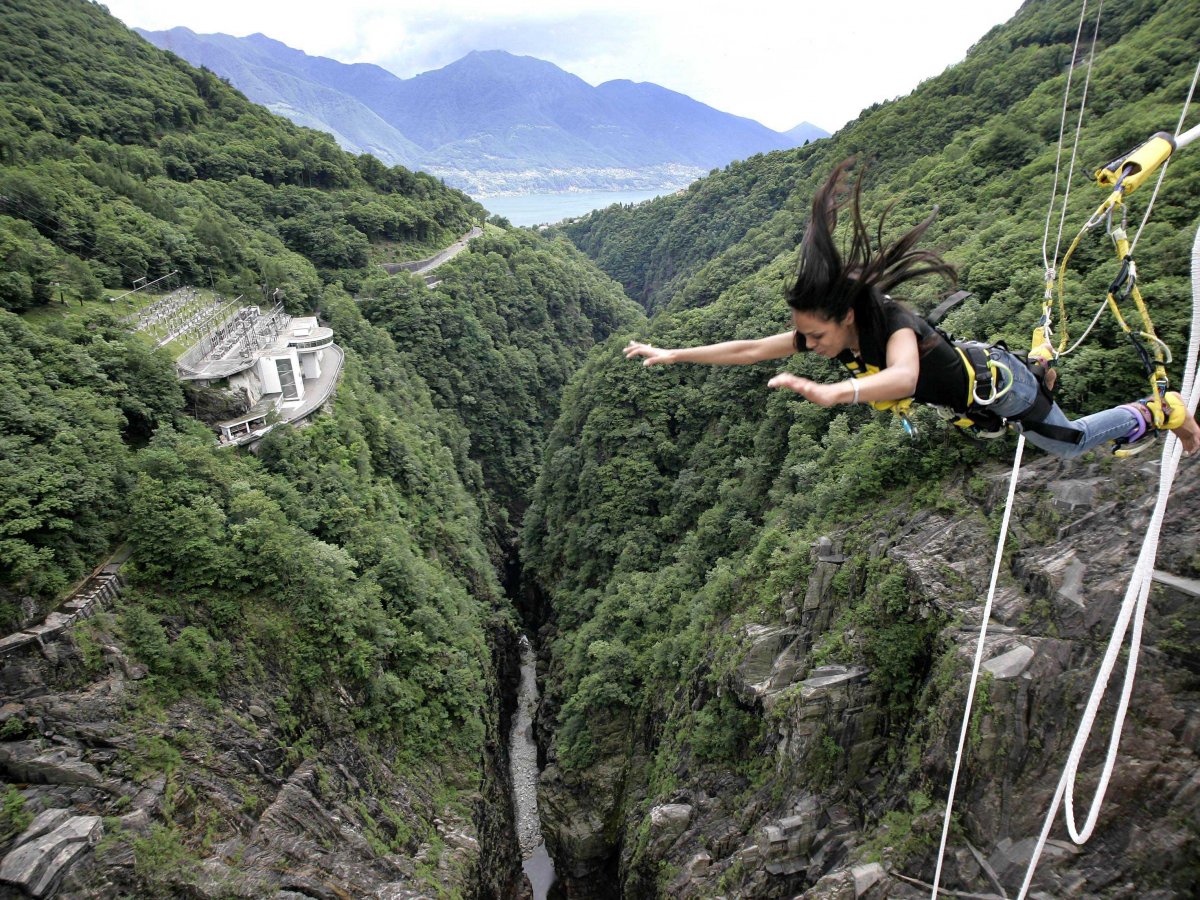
{"type": "Point", "coordinates": [48, 848]}
{"type": "Point", "coordinates": [852, 799]}
{"type": "Point", "coordinates": [31, 762]}
{"type": "Point", "coordinates": [667, 823]}
{"type": "Point", "coordinates": [222, 790]}
{"type": "Point", "coordinates": [771, 661]}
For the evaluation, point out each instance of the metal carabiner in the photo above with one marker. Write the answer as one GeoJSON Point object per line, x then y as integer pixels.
{"type": "Point", "coordinates": [996, 394]}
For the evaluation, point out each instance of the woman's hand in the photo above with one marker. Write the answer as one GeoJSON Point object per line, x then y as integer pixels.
{"type": "Point", "coordinates": [813, 391]}
{"type": "Point", "coordinates": [654, 356]}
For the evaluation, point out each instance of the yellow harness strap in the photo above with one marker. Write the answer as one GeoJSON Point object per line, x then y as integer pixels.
{"type": "Point", "coordinates": [964, 421]}
{"type": "Point", "coordinates": [860, 369]}
{"type": "Point", "coordinates": [1157, 372]}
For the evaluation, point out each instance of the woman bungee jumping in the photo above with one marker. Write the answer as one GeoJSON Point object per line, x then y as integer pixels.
{"type": "Point", "coordinates": [841, 309]}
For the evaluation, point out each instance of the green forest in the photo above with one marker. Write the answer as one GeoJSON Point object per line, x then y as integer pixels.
{"type": "Point", "coordinates": [123, 162]}
{"type": "Point", "coordinates": [496, 342]}
{"type": "Point", "coordinates": [355, 569]}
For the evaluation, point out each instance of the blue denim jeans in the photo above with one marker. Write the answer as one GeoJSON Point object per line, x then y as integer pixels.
{"type": "Point", "coordinates": [1096, 429]}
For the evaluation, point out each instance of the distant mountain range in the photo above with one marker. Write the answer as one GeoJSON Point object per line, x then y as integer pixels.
{"type": "Point", "coordinates": [490, 123]}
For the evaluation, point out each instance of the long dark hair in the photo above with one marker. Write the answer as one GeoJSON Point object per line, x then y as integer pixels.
{"type": "Point", "coordinates": [829, 284]}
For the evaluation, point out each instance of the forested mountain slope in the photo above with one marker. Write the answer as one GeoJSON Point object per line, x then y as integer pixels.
{"type": "Point", "coordinates": [133, 164]}
{"type": "Point", "coordinates": [301, 687]}
{"type": "Point", "coordinates": [303, 88]}
{"type": "Point", "coordinates": [337, 587]}
{"type": "Point", "coordinates": [676, 521]}
{"type": "Point", "coordinates": [509, 323]}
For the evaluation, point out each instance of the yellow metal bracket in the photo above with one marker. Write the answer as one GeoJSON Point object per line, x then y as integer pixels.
{"type": "Point", "coordinates": [1128, 172]}
{"type": "Point", "coordinates": [1122, 176]}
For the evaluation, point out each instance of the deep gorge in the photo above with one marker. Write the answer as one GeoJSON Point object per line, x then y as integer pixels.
{"type": "Point", "coordinates": [751, 617]}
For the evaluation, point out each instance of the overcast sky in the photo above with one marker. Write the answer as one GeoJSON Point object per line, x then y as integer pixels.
{"type": "Point", "coordinates": [779, 63]}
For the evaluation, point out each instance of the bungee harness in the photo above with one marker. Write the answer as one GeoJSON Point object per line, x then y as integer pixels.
{"type": "Point", "coordinates": [983, 373]}
{"type": "Point", "coordinates": [974, 414]}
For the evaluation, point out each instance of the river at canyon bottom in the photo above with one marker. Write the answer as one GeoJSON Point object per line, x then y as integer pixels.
{"type": "Point", "coordinates": [535, 859]}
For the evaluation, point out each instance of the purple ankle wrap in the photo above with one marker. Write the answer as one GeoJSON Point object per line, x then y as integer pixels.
{"type": "Point", "coordinates": [1143, 420]}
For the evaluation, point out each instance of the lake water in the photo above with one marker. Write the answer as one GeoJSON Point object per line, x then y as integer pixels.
{"type": "Point", "coordinates": [545, 209]}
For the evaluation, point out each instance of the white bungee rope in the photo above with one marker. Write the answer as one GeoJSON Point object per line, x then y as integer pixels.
{"type": "Point", "coordinates": [979, 645]}
{"type": "Point", "coordinates": [981, 641]}
{"type": "Point", "coordinates": [1133, 607]}
{"type": "Point", "coordinates": [1017, 456]}
{"type": "Point", "coordinates": [1062, 127]}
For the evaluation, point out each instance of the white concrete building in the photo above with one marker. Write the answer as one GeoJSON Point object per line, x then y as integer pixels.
{"type": "Point", "coordinates": [286, 367]}
{"type": "Point", "coordinates": [293, 359]}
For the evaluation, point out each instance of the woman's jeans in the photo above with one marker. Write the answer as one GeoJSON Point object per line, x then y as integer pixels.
{"type": "Point", "coordinates": [1097, 428]}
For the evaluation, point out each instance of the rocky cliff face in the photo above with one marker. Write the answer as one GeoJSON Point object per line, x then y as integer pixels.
{"type": "Point", "coordinates": [852, 801]}
{"type": "Point", "coordinates": [113, 792]}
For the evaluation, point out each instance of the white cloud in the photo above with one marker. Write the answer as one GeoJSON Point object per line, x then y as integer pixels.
{"type": "Point", "coordinates": [777, 63]}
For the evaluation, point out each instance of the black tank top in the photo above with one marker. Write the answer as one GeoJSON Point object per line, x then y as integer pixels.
{"type": "Point", "coordinates": [942, 379]}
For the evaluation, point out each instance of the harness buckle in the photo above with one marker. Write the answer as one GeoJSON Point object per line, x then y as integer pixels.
{"type": "Point", "coordinates": [983, 377]}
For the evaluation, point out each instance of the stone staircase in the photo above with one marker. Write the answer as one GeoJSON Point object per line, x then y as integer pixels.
{"type": "Point", "coordinates": [101, 586]}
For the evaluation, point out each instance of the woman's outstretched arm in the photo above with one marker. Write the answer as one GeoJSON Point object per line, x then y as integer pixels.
{"type": "Point", "coordinates": [727, 353]}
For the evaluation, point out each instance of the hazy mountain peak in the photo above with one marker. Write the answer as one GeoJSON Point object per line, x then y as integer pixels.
{"type": "Point", "coordinates": [489, 117]}
{"type": "Point", "coordinates": [805, 132]}
{"type": "Point", "coordinates": [501, 63]}
{"type": "Point", "coordinates": [261, 40]}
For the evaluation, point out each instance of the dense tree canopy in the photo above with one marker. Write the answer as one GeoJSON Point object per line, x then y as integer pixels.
{"type": "Point", "coordinates": [497, 340]}
{"type": "Point", "coordinates": [133, 164]}
{"type": "Point", "coordinates": [72, 399]}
